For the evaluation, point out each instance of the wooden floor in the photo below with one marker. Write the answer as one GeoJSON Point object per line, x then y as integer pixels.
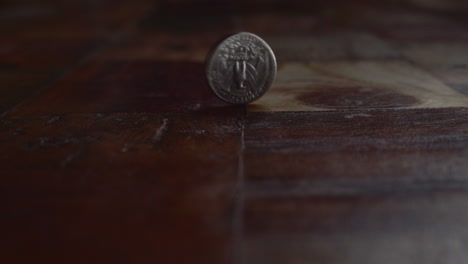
{"type": "Point", "coordinates": [114, 150]}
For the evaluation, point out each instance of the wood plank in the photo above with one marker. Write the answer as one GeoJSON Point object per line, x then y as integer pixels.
{"type": "Point", "coordinates": [385, 229]}
{"type": "Point", "coordinates": [127, 86]}
{"type": "Point", "coordinates": [17, 85]}
{"type": "Point", "coordinates": [30, 68]}
{"type": "Point", "coordinates": [277, 24]}
{"type": "Point", "coordinates": [356, 151]}
{"type": "Point", "coordinates": [39, 43]}
{"type": "Point", "coordinates": [423, 33]}
{"type": "Point", "coordinates": [140, 223]}
{"type": "Point", "coordinates": [175, 31]}
{"type": "Point", "coordinates": [125, 144]}
{"type": "Point", "coordinates": [356, 85]}
{"type": "Point", "coordinates": [392, 17]}
{"type": "Point", "coordinates": [152, 46]}
{"type": "Point", "coordinates": [446, 60]}
{"type": "Point", "coordinates": [334, 45]}
{"type": "Point", "coordinates": [119, 187]}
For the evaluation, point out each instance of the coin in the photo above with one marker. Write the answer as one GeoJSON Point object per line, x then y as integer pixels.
{"type": "Point", "coordinates": [241, 68]}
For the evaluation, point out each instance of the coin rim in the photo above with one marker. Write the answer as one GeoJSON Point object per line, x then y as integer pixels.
{"type": "Point", "coordinates": [210, 61]}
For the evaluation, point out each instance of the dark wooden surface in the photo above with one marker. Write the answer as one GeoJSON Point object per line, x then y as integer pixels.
{"type": "Point", "coordinates": [114, 150]}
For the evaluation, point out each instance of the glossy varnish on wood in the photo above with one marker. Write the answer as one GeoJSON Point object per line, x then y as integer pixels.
{"type": "Point", "coordinates": [114, 149]}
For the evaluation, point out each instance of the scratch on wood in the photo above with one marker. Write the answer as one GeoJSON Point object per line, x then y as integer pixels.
{"type": "Point", "coordinates": [53, 119]}
{"type": "Point", "coordinates": [127, 147]}
{"type": "Point", "coordinates": [357, 115]}
{"type": "Point", "coordinates": [160, 131]}
{"type": "Point", "coordinates": [57, 142]}
{"type": "Point", "coordinates": [73, 156]}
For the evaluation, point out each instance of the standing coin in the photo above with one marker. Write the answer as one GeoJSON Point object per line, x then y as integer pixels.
{"type": "Point", "coordinates": [241, 68]}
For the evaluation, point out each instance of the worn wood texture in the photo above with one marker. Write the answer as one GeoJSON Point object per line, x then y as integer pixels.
{"type": "Point", "coordinates": [114, 149]}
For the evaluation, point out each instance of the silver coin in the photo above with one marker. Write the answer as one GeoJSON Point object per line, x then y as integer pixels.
{"type": "Point", "coordinates": [241, 68]}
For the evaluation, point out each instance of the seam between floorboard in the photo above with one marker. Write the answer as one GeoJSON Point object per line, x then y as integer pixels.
{"type": "Point", "coordinates": [238, 224]}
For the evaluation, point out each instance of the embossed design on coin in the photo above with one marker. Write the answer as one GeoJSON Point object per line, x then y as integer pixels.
{"type": "Point", "coordinates": [241, 68]}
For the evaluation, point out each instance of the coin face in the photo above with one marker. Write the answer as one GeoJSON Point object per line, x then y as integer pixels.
{"type": "Point", "coordinates": [241, 68]}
